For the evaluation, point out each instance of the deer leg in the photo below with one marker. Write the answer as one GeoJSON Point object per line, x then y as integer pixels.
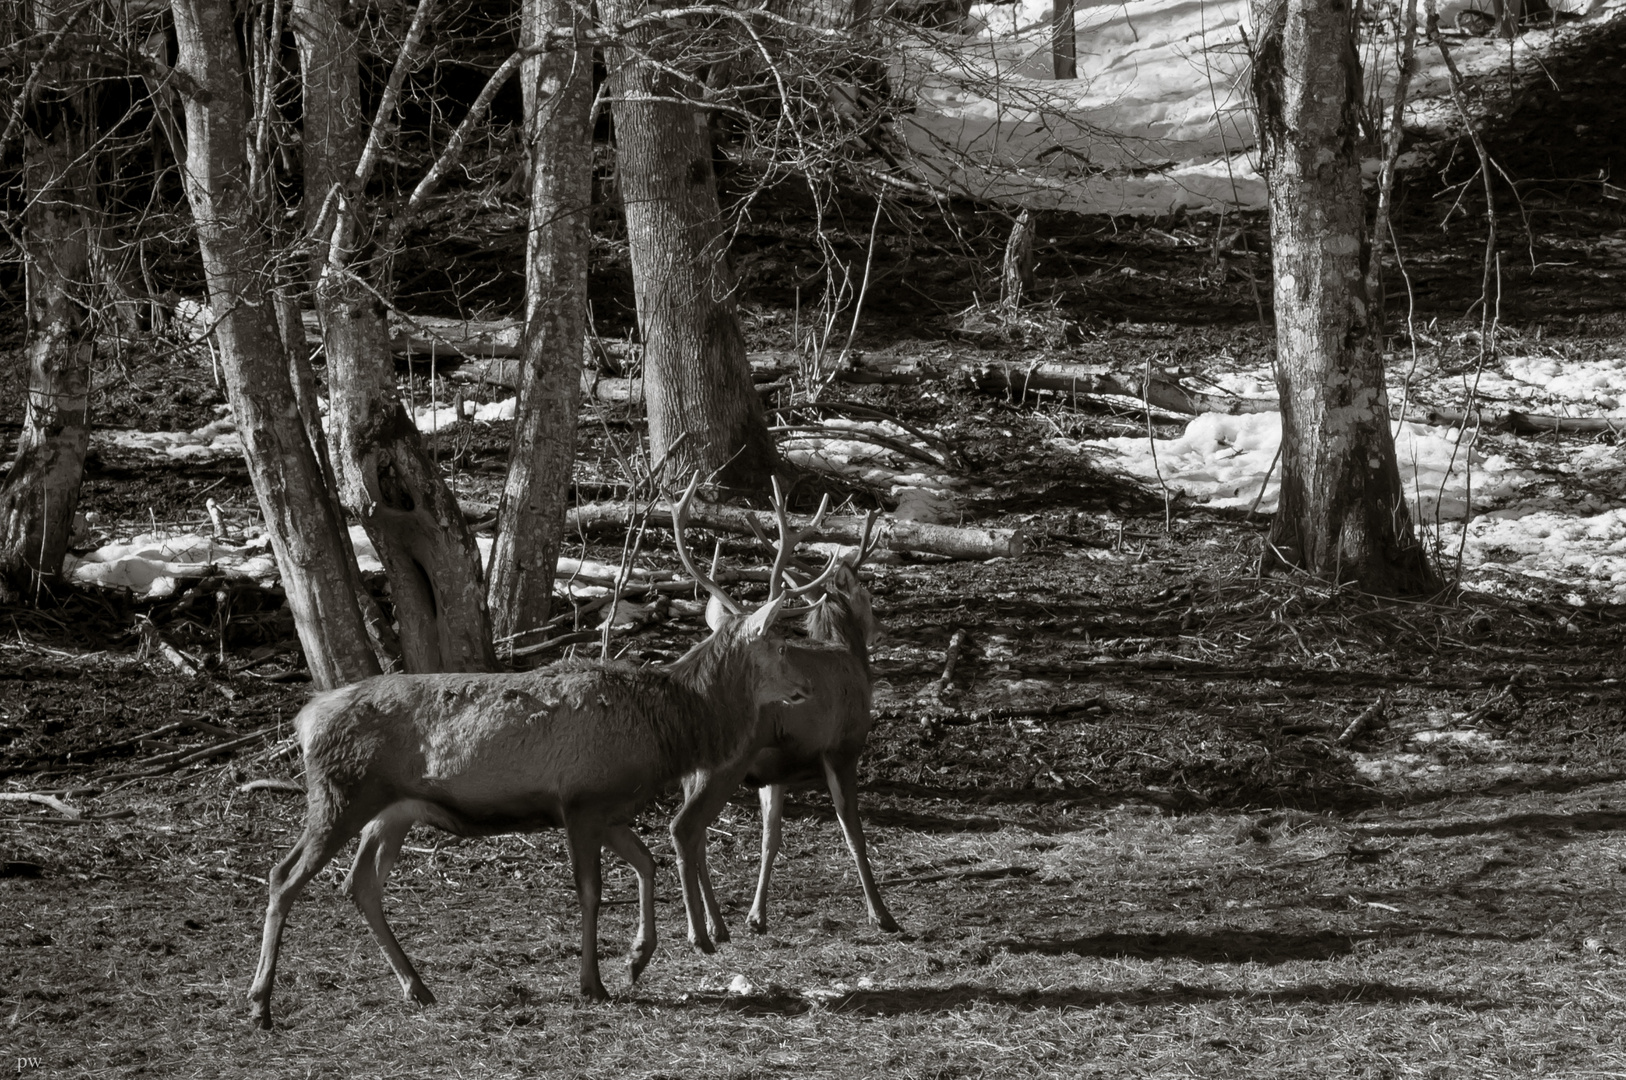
{"type": "Point", "coordinates": [704, 796]}
{"type": "Point", "coordinates": [772, 797]}
{"type": "Point", "coordinates": [841, 774]}
{"type": "Point", "coordinates": [627, 844]}
{"type": "Point", "coordinates": [375, 858]}
{"type": "Point", "coordinates": [708, 898]}
{"type": "Point", "coordinates": [324, 834]}
{"type": "Point", "coordinates": [586, 839]}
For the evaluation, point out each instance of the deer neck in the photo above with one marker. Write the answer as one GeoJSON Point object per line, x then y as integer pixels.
{"type": "Point", "coordinates": [834, 623]}
{"type": "Point", "coordinates": [718, 670]}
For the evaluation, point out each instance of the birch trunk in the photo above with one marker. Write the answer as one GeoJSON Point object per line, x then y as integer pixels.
{"type": "Point", "coordinates": [1343, 515]}
{"type": "Point", "coordinates": [320, 579]}
{"type": "Point", "coordinates": [558, 88]}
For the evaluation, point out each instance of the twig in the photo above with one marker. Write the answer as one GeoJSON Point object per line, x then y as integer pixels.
{"type": "Point", "coordinates": [44, 800]}
{"type": "Point", "coordinates": [951, 657]}
{"type": "Point", "coordinates": [167, 763]}
{"type": "Point", "coordinates": [291, 787]}
{"type": "Point", "coordinates": [968, 875]}
{"type": "Point", "coordinates": [151, 641]}
{"type": "Point", "coordinates": [942, 445]}
{"type": "Point", "coordinates": [208, 728]}
{"type": "Point", "coordinates": [1151, 441]}
{"type": "Point", "coordinates": [1369, 714]}
{"type": "Point", "coordinates": [116, 815]}
{"type": "Point", "coordinates": [860, 435]}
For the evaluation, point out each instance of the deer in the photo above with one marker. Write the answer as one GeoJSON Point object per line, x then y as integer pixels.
{"type": "Point", "coordinates": [800, 742]}
{"type": "Point", "coordinates": [577, 745]}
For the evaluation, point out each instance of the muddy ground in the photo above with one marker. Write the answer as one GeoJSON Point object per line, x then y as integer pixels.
{"type": "Point", "coordinates": [1127, 839]}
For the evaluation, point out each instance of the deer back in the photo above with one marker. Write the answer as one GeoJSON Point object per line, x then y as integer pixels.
{"type": "Point", "coordinates": [513, 750]}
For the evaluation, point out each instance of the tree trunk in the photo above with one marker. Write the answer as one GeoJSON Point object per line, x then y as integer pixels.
{"type": "Point", "coordinates": [39, 494]}
{"type": "Point", "coordinates": [1343, 514]}
{"type": "Point", "coordinates": [699, 382]}
{"type": "Point", "coordinates": [1064, 40]}
{"type": "Point", "coordinates": [319, 577]}
{"type": "Point", "coordinates": [291, 326]}
{"type": "Point", "coordinates": [386, 476]}
{"type": "Point", "coordinates": [1016, 273]}
{"type": "Point", "coordinates": [558, 88]}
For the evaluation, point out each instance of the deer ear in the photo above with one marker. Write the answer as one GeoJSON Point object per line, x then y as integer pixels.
{"type": "Point", "coordinates": [845, 579]}
{"type": "Point", "coordinates": [758, 623]}
{"type": "Point", "coordinates": [717, 616]}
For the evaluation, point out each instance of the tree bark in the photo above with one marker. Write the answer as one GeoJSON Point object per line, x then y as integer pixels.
{"type": "Point", "coordinates": [1016, 273]}
{"type": "Point", "coordinates": [1343, 514]}
{"type": "Point", "coordinates": [558, 87]}
{"type": "Point", "coordinates": [319, 578]}
{"type": "Point", "coordinates": [1064, 40]}
{"type": "Point", "coordinates": [290, 324]}
{"type": "Point", "coordinates": [39, 494]}
{"type": "Point", "coordinates": [699, 382]}
{"type": "Point", "coordinates": [386, 476]}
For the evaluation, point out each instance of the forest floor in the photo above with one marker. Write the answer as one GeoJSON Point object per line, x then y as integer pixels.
{"type": "Point", "coordinates": [1126, 839]}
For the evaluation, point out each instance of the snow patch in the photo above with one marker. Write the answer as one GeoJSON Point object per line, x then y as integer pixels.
{"type": "Point", "coordinates": [153, 565]}
{"type": "Point", "coordinates": [1225, 461]}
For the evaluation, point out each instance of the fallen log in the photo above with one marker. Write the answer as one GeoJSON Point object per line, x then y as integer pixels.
{"type": "Point", "coordinates": [485, 350]}
{"type": "Point", "coordinates": [954, 542]}
{"type": "Point", "coordinates": [453, 340]}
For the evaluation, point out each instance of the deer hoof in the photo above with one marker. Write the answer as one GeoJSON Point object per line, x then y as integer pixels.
{"type": "Point", "coordinates": [702, 944]}
{"type": "Point", "coordinates": [758, 924]}
{"type": "Point", "coordinates": [420, 993]}
{"type": "Point", "coordinates": [888, 923]}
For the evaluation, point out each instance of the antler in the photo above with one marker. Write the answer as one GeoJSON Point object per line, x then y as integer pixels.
{"type": "Point", "coordinates": [867, 542]}
{"type": "Point", "coordinates": [779, 580]}
{"type": "Point", "coordinates": [680, 521]}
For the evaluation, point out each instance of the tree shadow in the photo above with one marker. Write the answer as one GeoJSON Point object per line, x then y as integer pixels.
{"type": "Point", "coordinates": [910, 1000]}
{"type": "Point", "coordinates": [1218, 947]}
{"type": "Point", "coordinates": [1268, 947]}
{"type": "Point", "coordinates": [1532, 825]}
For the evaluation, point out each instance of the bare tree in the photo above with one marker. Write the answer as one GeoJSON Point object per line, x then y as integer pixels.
{"type": "Point", "coordinates": [1064, 40]}
{"type": "Point", "coordinates": [1343, 514]}
{"type": "Point", "coordinates": [318, 573]}
{"type": "Point", "coordinates": [558, 88]}
{"type": "Point", "coordinates": [387, 478]}
{"type": "Point", "coordinates": [55, 117]}
{"type": "Point", "coordinates": [697, 380]}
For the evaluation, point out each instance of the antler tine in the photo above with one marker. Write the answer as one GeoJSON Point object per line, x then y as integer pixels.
{"type": "Point", "coordinates": [680, 522]}
{"type": "Point", "coordinates": [785, 548]}
{"type": "Point", "coordinates": [867, 541]}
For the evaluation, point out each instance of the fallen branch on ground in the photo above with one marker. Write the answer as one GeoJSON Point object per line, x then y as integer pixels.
{"type": "Point", "coordinates": [91, 819]}
{"type": "Point", "coordinates": [290, 787]}
{"type": "Point", "coordinates": [989, 874]}
{"type": "Point", "coordinates": [955, 542]}
{"type": "Point", "coordinates": [1359, 724]}
{"type": "Point", "coordinates": [484, 349]}
{"type": "Point", "coordinates": [951, 657]}
{"type": "Point", "coordinates": [167, 763]}
{"type": "Point", "coordinates": [44, 800]}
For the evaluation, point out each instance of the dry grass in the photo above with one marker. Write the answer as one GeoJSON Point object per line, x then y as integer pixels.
{"type": "Point", "coordinates": [1449, 941]}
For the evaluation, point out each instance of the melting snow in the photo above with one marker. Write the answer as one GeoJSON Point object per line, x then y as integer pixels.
{"type": "Point", "coordinates": [1157, 120]}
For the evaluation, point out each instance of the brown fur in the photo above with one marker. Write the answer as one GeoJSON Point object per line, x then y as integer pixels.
{"type": "Point", "coordinates": [576, 745]}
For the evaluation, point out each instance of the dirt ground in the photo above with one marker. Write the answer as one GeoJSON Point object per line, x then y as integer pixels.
{"type": "Point", "coordinates": [1127, 839]}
